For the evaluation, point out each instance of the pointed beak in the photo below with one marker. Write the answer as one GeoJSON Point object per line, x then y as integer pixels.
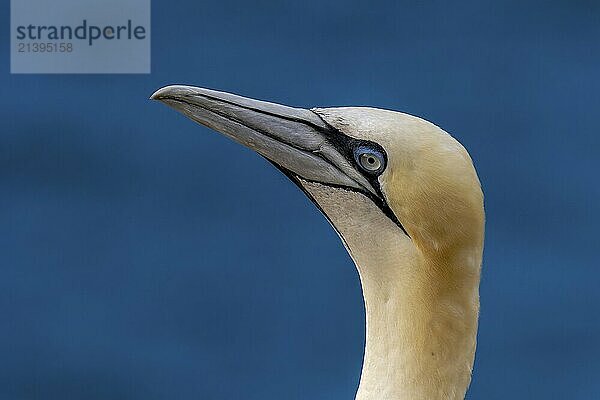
{"type": "Point", "coordinates": [296, 140]}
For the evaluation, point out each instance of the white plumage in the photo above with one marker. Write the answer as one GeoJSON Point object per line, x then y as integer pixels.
{"type": "Point", "coordinates": [406, 201]}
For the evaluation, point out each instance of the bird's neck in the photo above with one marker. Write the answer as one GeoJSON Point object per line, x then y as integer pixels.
{"type": "Point", "coordinates": [420, 335]}
{"type": "Point", "coordinates": [421, 312]}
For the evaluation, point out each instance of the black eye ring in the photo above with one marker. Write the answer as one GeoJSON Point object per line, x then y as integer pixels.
{"type": "Point", "coordinates": [370, 159]}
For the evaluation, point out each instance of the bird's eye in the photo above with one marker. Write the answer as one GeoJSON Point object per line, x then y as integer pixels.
{"type": "Point", "coordinates": [369, 159]}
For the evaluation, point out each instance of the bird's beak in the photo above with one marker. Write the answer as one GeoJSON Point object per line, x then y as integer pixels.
{"type": "Point", "coordinates": [295, 139]}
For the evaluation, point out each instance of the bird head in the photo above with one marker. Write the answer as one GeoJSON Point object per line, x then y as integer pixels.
{"type": "Point", "coordinates": [408, 170]}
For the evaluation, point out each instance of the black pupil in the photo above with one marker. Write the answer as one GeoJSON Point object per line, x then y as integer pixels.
{"type": "Point", "coordinates": [371, 160]}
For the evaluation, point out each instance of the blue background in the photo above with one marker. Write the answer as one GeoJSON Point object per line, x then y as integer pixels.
{"type": "Point", "coordinates": [145, 257]}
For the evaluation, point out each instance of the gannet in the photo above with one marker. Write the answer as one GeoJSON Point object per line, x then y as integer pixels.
{"type": "Point", "coordinates": [406, 201]}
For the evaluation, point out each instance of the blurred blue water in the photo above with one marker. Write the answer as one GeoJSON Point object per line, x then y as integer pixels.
{"type": "Point", "coordinates": [145, 257]}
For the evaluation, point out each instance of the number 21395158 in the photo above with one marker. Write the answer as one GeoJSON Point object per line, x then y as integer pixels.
{"type": "Point", "coordinates": [45, 47]}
